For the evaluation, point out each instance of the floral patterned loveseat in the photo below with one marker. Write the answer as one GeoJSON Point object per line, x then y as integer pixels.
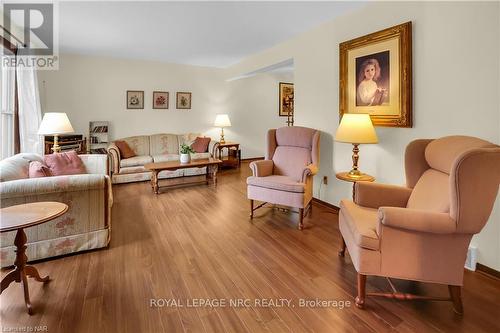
{"type": "Point", "coordinates": [154, 148]}
{"type": "Point", "coordinates": [87, 223]}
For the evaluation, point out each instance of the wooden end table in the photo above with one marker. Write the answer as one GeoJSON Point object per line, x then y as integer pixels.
{"type": "Point", "coordinates": [233, 158]}
{"type": "Point", "coordinates": [353, 179]}
{"type": "Point", "coordinates": [17, 218]}
{"type": "Point", "coordinates": [212, 165]}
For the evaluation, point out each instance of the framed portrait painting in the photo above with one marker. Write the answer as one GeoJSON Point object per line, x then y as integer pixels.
{"type": "Point", "coordinates": [376, 76]}
{"type": "Point", "coordinates": [160, 100]}
{"type": "Point", "coordinates": [286, 99]}
{"type": "Point", "coordinates": [183, 100]}
{"type": "Point", "coordinates": [135, 99]}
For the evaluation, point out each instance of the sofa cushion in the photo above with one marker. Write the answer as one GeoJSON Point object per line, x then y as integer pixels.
{"type": "Point", "coordinates": [165, 158]}
{"type": "Point", "coordinates": [187, 139]}
{"type": "Point", "coordinates": [362, 224]}
{"type": "Point", "coordinates": [17, 166]}
{"type": "Point", "coordinates": [124, 148]}
{"type": "Point", "coordinates": [197, 156]}
{"type": "Point", "coordinates": [38, 169]}
{"type": "Point", "coordinates": [135, 161]}
{"type": "Point", "coordinates": [200, 145]}
{"type": "Point", "coordinates": [280, 183]}
{"type": "Point", "coordinates": [68, 163]}
{"type": "Point", "coordinates": [162, 144]}
{"type": "Point", "coordinates": [139, 144]}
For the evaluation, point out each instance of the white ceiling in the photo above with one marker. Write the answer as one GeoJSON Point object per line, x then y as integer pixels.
{"type": "Point", "coordinates": [216, 34]}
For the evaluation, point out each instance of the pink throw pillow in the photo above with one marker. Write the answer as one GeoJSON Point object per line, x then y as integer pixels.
{"type": "Point", "coordinates": [200, 145]}
{"type": "Point", "coordinates": [38, 169]}
{"type": "Point", "coordinates": [68, 163]}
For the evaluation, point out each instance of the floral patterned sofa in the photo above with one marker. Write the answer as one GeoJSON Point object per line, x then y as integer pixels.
{"type": "Point", "coordinates": [153, 148]}
{"type": "Point", "coordinates": [87, 223]}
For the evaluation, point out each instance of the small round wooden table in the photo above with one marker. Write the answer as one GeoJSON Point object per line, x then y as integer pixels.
{"type": "Point", "coordinates": [17, 218]}
{"type": "Point", "coordinates": [345, 176]}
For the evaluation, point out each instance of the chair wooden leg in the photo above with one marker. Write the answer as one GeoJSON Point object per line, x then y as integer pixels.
{"type": "Point", "coordinates": [251, 209]}
{"type": "Point", "coordinates": [341, 252]}
{"type": "Point", "coordinates": [360, 299]}
{"type": "Point", "coordinates": [456, 298]}
{"type": "Point", "coordinates": [301, 218]}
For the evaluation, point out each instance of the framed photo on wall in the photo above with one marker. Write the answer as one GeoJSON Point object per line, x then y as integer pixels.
{"type": "Point", "coordinates": [160, 100]}
{"type": "Point", "coordinates": [376, 76]}
{"type": "Point", "coordinates": [135, 99]}
{"type": "Point", "coordinates": [183, 100]}
{"type": "Point", "coordinates": [286, 99]}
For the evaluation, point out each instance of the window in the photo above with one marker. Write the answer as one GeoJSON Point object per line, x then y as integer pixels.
{"type": "Point", "coordinates": [7, 96]}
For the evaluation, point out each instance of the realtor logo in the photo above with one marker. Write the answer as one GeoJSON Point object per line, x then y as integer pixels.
{"type": "Point", "coordinates": [31, 27]}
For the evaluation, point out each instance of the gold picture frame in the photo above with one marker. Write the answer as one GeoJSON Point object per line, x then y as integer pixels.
{"type": "Point", "coordinates": [376, 76]}
{"type": "Point", "coordinates": [286, 99]}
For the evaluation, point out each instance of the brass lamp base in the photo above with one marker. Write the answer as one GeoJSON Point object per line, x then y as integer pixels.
{"type": "Point", "coordinates": [222, 141]}
{"type": "Point", "coordinates": [56, 148]}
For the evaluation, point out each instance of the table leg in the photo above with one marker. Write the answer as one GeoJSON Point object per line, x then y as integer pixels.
{"type": "Point", "coordinates": [156, 188]}
{"type": "Point", "coordinates": [21, 271]}
{"type": "Point", "coordinates": [214, 175]}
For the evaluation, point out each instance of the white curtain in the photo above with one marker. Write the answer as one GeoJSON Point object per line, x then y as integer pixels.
{"type": "Point", "coordinates": [7, 85]}
{"type": "Point", "coordinates": [30, 113]}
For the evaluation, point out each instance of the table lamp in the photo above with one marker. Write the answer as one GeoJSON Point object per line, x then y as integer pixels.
{"type": "Point", "coordinates": [55, 123]}
{"type": "Point", "coordinates": [222, 120]}
{"type": "Point", "coordinates": [356, 128]}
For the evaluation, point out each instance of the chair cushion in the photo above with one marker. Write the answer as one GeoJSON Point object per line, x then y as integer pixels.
{"type": "Point", "coordinates": [135, 161]}
{"type": "Point", "coordinates": [431, 193]}
{"type": "Point", "coordinates": [441, 153]}
{"type": "Point", "coordinates": [362, 223]}
{"type": "Point", "coordinates": [280, 183]}
{"type": "Point", "coordinates": [291, 161]}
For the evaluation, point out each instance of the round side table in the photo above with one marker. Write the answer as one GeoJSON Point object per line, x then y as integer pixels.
{"type": "Point", "coordinates": [353, 179]}
{"type": "Point", "coordinates": [17, 218]}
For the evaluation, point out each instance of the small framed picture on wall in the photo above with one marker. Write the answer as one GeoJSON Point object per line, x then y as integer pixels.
{"type": "Point", "coordinates": [135, 99]}
{"type": "Point", "coordinates": [160, 100]}
{"type": "Point", "coordinates": [183, 100]}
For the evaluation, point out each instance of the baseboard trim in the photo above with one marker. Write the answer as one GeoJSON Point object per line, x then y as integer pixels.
{"type": "Point", "coordinates": [252, 159]}
{"type": "Point", "coordinates": [488, 270]}
{"type": "Point", "coordinates": [325, 204]}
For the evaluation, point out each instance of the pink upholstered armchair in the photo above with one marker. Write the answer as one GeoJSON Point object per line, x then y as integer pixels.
{"type": "Point", "coordinates": [421, 232]}
{"type": "Point", "coordinates": [285, 176]}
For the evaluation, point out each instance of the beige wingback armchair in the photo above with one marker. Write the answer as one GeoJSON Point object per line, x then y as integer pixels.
{"type": "Point", "coordinates": [285, 177]}
{"type": "Point", "coordinates": [422, 231]}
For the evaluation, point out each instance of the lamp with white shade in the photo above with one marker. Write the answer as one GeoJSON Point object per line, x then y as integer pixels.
{"type": "Point", "coordinates": [222, 120]}
{"type": "Point", "coordinates": [356, 128]}
{"type": "Point", "coordinates": [55, 123]}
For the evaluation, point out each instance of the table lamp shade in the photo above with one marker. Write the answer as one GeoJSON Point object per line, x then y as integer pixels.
{"type": "Point", "coordinates": [55, 123]}
{"type": "Point", "coordinates": [356, 128]}
{"type": "Point", "coordinates": [222, 120]}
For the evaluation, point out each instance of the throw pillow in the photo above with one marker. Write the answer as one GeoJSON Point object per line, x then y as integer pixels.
{"type": "Point", "coordinates": [38, 169]}
{"type": "Point", "coordinates": [124, 148]}
{"type": "Point", "coordinates": [68, 163]}
{"type": "Point", "coordinates": [200, 145]}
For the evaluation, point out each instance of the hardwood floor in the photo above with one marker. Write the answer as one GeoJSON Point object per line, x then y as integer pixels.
{"type": "Point", "coordinates": [197, 243]}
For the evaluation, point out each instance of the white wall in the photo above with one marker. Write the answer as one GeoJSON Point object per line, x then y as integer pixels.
{"type": "Point", "coordinates": [94, 88]}
{"type": "Point", "coordinates": [455, 61]}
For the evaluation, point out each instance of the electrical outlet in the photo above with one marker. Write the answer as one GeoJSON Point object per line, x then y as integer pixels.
{"type": "Point", "coordinates": [325, 180]}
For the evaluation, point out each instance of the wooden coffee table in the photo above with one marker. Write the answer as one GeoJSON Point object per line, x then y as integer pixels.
{"type": "Point", "coordinates": [17, 218]}
{"type": "Point", "coordinates": [212, 165]}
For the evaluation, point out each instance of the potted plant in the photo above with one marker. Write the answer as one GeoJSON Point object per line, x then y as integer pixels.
{"type": "Point", "coordinates": [186, 152]}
